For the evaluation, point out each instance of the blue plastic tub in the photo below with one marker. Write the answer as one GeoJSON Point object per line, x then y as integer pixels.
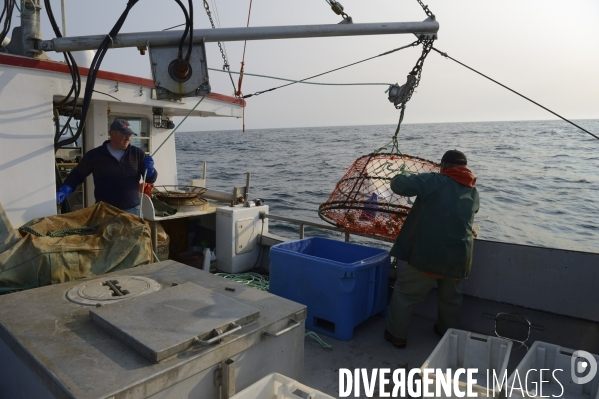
{"type": "Point", "coordinates": [342, 284]}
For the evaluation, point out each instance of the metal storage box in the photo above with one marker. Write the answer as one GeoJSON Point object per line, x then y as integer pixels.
{"type": "Point", "coordinates": [342, 284]}
{"type": "Point", "coordinates": [182, 333]}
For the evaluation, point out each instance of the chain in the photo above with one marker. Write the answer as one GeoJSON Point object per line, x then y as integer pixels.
{"type": "Point", "coordinates": [427, 45]}
{"type": "Point", "coordinates": [222, 52]}
{"type": "Point", "coordinates": [404, 93]}
{"type": "Point", "coordinates": [338, 9]}
{"type": "Point", "coordinates": [426, 10]}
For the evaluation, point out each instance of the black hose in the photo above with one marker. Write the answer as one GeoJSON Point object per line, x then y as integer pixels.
{"type": "Point", "coordinates": [7, 10]}
{"type": "Point", "coordinates": [93, 73]}
{"type": "Point", "coordinates": [75, 77]}
{"type": "Point", "coordinates": [188, 56]}
{"type": "Point", "coordinates": [187, 24]}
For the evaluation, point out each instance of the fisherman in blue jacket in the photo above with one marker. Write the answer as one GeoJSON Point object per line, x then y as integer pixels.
{"type": "Point", "coordinates": [117, 168]}
{"type": "Point", "coordinates": [436, 241]}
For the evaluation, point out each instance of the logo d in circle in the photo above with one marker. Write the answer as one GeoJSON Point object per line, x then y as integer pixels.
{"type": "Point", "coordinates": [578, 366]}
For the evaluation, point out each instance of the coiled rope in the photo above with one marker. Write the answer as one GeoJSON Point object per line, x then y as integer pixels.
{"type": "Point", "coordinates": [250, 279]}
{"type": "Point", "coordinates": [85, 230]}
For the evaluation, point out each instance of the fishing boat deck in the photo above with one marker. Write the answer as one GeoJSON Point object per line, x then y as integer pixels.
{"type": "Point", "coordinates": [369, 350]}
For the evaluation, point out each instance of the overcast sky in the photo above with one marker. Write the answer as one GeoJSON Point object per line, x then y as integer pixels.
{"type": "Point", "coordinates": [546, 49]}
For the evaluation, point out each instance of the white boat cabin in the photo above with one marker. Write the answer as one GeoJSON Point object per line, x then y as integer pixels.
{"type": "Point", "coordinates": [29, 88]}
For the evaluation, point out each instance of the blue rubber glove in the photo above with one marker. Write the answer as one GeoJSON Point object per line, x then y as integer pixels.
{"type": "Point", "coordinates": [63, 192]}
{"type": "Point", "coordinates": [149, 165]}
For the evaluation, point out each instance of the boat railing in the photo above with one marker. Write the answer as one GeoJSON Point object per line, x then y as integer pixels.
{"type": "Point", "coordinates": [304, 223]}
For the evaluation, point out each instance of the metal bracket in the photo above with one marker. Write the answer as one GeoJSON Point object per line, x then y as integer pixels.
{"type": "Point", "coordinates": [426, 36]}
{"type": "Point", "coordinates": [196, 82]}
{"type": "Point", "coordinates": [224, 376]}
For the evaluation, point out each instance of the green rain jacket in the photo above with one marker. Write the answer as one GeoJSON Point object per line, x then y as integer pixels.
{"type": "Point", "coordinates": [436, 236]}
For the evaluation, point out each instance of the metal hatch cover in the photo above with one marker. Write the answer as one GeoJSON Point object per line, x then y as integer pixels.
{"type": "Point", "coordinates": [166, 322]}
{"type": "Point", "coordinates": [109, 290]}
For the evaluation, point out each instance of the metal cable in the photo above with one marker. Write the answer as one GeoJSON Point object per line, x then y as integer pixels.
{"type": "Point", "coordinates": [515, 92]}
{"type": "Point", "coordinates": [336, 69]}
{"type": "Point", "coordinates": [302, 82]}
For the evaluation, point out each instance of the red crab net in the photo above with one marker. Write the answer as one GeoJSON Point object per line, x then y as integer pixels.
{"type": "Point", "coordinates": [363, 202]}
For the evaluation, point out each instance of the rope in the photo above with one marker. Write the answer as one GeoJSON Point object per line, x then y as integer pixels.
{"type": "Point", "coordinates": [177, 127]}
{"type": "Point", "coordinates": [85, 230]}
{"type": "Point", "coordinates": [173, 27]}
{"type": "Point", "coordinates": [238, 93]}
{"type": "Point", "coordinates": [154, 153]}
{"type": "Point", "coordinates": [515, 92]}
{"type": "Point", "coordinates": [395, 147]}
{"type": "Point", "coordinates": [336, 69]}
{"type": "Point", "coordinates": [313, 335]}
{"type": "Point", "coordinates": [302, 82]}
{"type": "Point", "coordinates": [250, 279]}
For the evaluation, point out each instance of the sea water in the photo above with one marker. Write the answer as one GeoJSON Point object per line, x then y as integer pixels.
{"type": "Point", "coordinates": [538, 180]}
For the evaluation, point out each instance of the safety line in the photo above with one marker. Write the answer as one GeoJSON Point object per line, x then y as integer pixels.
{"type": "Point", "coordinates": [515, 92]}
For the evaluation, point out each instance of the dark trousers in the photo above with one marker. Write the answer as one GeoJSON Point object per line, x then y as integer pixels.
{"type": "Point", "coordinates": [410, 289]}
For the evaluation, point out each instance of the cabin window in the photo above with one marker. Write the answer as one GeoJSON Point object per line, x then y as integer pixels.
{"type": "Point", "coordinates": [139, 125]}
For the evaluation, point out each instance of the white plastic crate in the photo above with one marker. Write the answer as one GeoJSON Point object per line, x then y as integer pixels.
{"type": "Point", "coordinates": [556, 383]}
{"type": "Point", "coordinates": [463, 349]}
{"type": "Point", "coordinates": [277, 386]}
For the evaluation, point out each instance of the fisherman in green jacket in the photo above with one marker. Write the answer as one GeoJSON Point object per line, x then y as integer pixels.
{"type": "Point", "coordinates": [436, 241]}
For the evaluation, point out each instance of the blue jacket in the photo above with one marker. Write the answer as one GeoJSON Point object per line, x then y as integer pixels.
{"type": "Point", "coordinates": [116, 183]}
{"type": "Point", "coordinates": [436, 236]}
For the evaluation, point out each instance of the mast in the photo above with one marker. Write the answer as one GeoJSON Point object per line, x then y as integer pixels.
{"type": "Point", "coordinates": [30, 28]}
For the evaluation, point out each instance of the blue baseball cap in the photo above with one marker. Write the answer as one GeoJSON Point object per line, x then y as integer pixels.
{"type": "Point", "coordinates": [121, 125]}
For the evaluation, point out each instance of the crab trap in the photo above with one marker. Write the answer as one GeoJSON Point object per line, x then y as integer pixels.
{"type": "Point", "coordinates": [363, 202]}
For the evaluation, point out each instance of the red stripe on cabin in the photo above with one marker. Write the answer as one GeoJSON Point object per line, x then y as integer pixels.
{"type": "Point", "coordinates": [45, 65]}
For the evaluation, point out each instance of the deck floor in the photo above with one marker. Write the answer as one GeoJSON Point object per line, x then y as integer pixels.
{"type": "Point", "coordinates": [368, 349]}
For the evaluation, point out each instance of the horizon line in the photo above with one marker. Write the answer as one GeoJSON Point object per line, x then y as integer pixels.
{"type": "Point", "coordinates": [386, 124]}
